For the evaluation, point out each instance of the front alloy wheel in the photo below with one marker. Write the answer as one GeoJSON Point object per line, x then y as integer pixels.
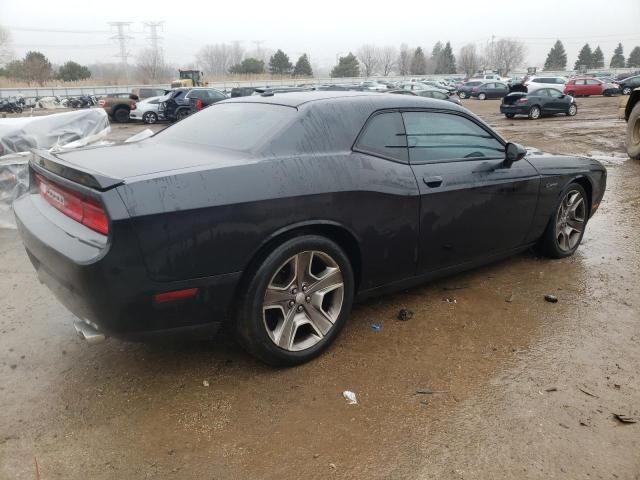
{"type": "Point", "coordinates": [567, 224]}
{"type": "Point", "coordinates": [570, 220]}
{"type": "Point", "coordinates": [462, 95]}
{"type": "Point", "coordinates": [303, 300]}
{"type": "Point", "coordinates": [573, 109]}
{"type": "Point", "coordinates": [626, 91]}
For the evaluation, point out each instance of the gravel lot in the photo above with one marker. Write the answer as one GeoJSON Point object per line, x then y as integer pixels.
{"type": "Point", "coordinates": [531, 387]}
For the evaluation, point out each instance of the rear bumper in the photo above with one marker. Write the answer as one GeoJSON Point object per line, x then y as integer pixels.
{"type": "Point", "coordinates": [515, 109]}
{"type": "Point", "coordinates": [106, 282]}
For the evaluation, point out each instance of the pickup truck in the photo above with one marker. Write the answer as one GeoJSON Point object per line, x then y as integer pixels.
{"type": "Point", "coordinates": [118, 105]}
{"type": "Point", "coordinates": [632, 116]}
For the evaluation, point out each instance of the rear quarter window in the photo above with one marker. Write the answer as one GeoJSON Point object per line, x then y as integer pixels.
{"type": "Point", "coordinates": [232, 126]}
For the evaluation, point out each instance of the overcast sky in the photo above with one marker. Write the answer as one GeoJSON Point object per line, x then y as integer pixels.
{"type": "Point", "coordinates": [323, 29]}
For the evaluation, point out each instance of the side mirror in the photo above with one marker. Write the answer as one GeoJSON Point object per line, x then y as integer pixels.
{"type": "Point", "coordinates": [513, 153]}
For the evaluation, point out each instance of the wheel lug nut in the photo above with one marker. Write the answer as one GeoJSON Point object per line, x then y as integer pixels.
{"type": "Point", "coordinates": [304, 288]}
{"type": "Point", "coordinates": [308, 299]}
{"type": "Point", "coordinates": [294, 291]}
{"type": "Point", "coordinates": [291, 303]}
{"type": "Point", "coordinates": [299, 308]}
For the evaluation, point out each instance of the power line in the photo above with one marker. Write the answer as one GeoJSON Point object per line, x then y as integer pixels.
{"type": "Point", "coordinates": [55, 30]}
{"type": "Point", "coordinates": [122, 39]}
{"type": "Point", "coordinates": [153, 35]}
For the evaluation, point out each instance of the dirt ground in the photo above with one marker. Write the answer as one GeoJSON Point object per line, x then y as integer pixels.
{"type": "Point", "coordinates": [531, 387]}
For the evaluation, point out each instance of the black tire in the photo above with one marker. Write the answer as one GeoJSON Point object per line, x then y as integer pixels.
{"type": "Point", "coordinates": [149, 117]}
{"type": "Point", "coordinates": [548, 244]}
{"type": "Point", "coordinates": [251, 326]}
{"type": "Point", "coordinates": [182, 114]}
{"type": "Point", "coordinates": [535, 112]}
{"type": "Point", "coordinates": [121, 115]}
{"type": "Point", "coordinates": [572, 110]}
{"type": "Point", "coordinates": [633, 133]}
{"type": "Point", "coordinates": [509, 115]}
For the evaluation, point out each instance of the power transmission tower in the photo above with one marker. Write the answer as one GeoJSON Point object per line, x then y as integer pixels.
{"type": "Point", "coordinates": [153, 35]}
{"type": "Point", "coordinates": [122, 39]}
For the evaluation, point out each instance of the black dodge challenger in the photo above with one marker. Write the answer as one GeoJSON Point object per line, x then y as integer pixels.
{"type": "Point", "coordinates": [276, 212]}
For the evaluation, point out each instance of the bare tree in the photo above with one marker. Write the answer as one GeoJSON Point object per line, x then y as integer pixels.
{"type": "Point", "coordinates": [151, 66]}
{"type": "Point", "coordinates": [5, 46]}
{"type": "Point", "coordinates": [237, 53]}
{"type": "Point", "coordinates": [369, 56]}
{"type": "Point", "coordinates": [404, 60]}
{"type": "Point", "coordinates": [505, 55]}
{"type": "Point", "coordinates": [469, 60]}
{"type": "Point", "coordinates": [388, 58]}
{"type": "Point", "coordinates": [215, 59]}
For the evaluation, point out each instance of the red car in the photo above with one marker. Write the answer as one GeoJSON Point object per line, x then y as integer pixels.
{"type": "Point", "coordinates": [583, 87]}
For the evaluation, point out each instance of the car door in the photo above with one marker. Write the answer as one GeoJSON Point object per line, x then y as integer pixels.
{"type": "Point", "coordinates": [500, 90]}
{"type": "Point", "coordinates": [593, 87]}
{"type": "Point", "coordinates": [557, 101]}
{"type": "Point", "coordinates": [471, 206]}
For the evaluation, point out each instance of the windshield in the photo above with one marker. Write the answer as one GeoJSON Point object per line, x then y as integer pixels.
{"type": "Point", "coordinates": [233, 126]}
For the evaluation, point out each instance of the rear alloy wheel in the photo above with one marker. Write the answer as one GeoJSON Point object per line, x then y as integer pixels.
{"type": "Point", "coordinates": [121, 115]}
{"type": "Point", "coordinates": [462, 95]}
{"type": "Point", "coordinates": [482, 96]}
{"type": "Point", "coordinates": [150, 117]}
{"type": "Point", "coordinates": [509, 115]}
{"type": "Point", "coordinates": [573, 109]}
{"type": "Point", "coordinates": [534, 112]}
{"type": "Point", "coordinates": [626, 91]}
{"type": "Point", "coordinates": [296, 301]}
{"type": "Point", "coordinates": [566, 227]}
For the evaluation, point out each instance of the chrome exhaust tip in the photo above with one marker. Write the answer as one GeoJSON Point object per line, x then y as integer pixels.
{"type": "Point", "coordinates": [88, 332]}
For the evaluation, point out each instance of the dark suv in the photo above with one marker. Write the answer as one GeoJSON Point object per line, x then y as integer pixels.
{"type": "Point", "coordinates": [628, 84]}
{"type": "Point", "coordinates": [182, 102]}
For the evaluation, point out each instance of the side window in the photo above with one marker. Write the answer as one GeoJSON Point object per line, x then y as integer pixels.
{"type": "Point", "coordinates": [439, 95]}
{"type": "Point", "coordinates": [434, 137]}
{"type": "Point", "coordinates": [555, 93]}
{"type": "Point", "coordinates": [543, 92]}
{"type": "Point", "coordinates": [384, 135]}
{"type": "Point", "coordinates": [215, 94]}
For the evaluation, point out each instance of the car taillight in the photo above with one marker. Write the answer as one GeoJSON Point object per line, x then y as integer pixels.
{"type": "Point", "coordinates": [101, 103]}
{"type": "Point", "coordinates": [133, 106]}
{"type": "Point", "coordinates": [88, 211]}
{"type": "Point", "coordinates": [522, 100]}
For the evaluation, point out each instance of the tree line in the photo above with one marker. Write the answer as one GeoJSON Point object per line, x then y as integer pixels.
{"type": "Point", "coordinates": [591, 59]}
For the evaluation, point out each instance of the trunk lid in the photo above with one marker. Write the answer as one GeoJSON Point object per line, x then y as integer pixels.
{"type": "Point", "coordinates": [512, 98]}
{"type": "Point", "coordinates": [110, 166]}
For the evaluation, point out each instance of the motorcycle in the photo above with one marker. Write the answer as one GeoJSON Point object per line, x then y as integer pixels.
{"type": "Point", "coordinates": [84, 101]}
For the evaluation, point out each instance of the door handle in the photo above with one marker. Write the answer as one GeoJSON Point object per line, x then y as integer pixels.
{"type": "Point", "coordinates": [432, 182]}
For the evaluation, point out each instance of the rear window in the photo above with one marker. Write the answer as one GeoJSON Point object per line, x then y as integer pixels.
{"type": "Point", "coordinates": [234, 126]}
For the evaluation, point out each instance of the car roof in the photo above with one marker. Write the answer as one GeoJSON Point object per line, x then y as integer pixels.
{"type": "Point", "coordinates": [375, 100]}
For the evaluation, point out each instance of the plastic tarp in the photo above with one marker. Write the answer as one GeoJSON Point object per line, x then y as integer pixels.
{"type": "Point", "coordinates": [56, 132]}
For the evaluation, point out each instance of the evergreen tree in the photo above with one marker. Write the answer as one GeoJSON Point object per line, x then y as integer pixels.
{"type": "Point", "coordinates": [279, 63]}
{"type": "Point", "coordinates": [446, 61]}
{"type": "Point", "coordinates": [436, 51]}
{"type": "Point", "coordinates": [418, 63]}
{"type": "Point", "coordinates": [303, 67]}
{"type": "Point", "coordinates": [71, 71]}
{"type": "Point", "coordinates": [584, 58]}
{"type": "Point", "coordinates": [347, 67]}
{"type": "Point", "coordinates": [248, 65]}
{"type": "Point", "coordinates": [617, 61]}
{"type": "Point", "coordinates": [557, 57]}
{"type": "Point", "coordinates": [36, 68]}
{"type": "Point", "coordinates": [634, 58]}
{"type": "Point", "coordinates": [597, 58]}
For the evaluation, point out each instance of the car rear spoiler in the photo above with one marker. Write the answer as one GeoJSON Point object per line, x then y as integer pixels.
{"type": "Point", "coordinates": [83, 176]}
